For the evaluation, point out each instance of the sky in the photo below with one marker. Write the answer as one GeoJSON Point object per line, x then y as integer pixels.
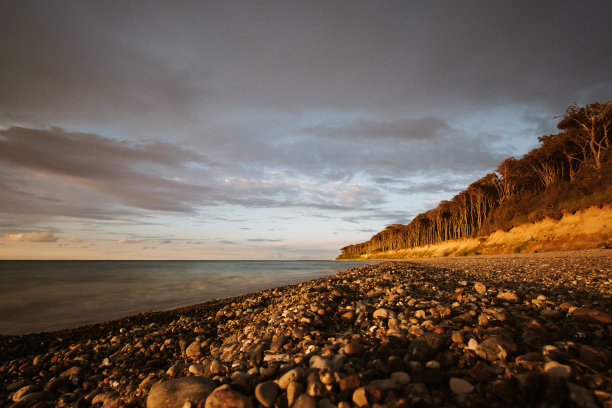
{"type": "Point", "coordinates": [269, 129]}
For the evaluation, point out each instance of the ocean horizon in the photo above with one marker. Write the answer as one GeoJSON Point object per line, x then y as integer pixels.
{"type": "Point", "coordinates": [47, 295]}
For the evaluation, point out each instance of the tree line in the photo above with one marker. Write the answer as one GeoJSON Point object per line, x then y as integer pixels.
{"type": "Point", "coordinates": [568, 171]}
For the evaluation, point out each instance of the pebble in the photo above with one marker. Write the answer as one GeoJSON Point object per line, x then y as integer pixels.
{"type": "Point", "coordinates": [480, 288]}
{"type": "Point", "coordinates": [537, 333]}
{"type": "Point", "coordinates": [174, 393]}
{"type": "Point", "coordinates": [305, 401]}
{"type": "Point", "coordinates": [266, 393]}
{"type": "Point", "coordinates": [353, 349]}
{"type": "Point", "coordinates": [460, 386]}
{"type": "Point", "coordinates": [293, 375]}
{"type": "Point", "coordinates": [227, 398]}
{"type": "Point", "coordinates": [554, 369]}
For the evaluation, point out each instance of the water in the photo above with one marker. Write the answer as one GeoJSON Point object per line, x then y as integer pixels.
{"type": "Point", "coordinates": [50, 295]}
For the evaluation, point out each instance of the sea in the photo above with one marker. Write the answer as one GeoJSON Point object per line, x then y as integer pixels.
{"type": "Point", "coordinates": [37, 296]}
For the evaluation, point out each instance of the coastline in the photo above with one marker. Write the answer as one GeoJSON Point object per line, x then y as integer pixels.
{"type": "Point", "coordinates": [399, 332]}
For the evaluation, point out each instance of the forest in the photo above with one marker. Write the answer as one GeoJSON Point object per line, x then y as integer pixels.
{"type": "Point", "coordinates": [568, 171]}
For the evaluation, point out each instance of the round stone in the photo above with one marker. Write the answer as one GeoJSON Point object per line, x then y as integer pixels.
{"type": "Point", "coordinates": [460, 386]}
{"type": "Point", "coordinates": [266, 393]}
{"type": "Point", "coordinates": [174, 393]}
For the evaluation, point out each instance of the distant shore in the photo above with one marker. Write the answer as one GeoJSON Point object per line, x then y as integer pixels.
{"type": "Point", "coordinates": [444, 331]}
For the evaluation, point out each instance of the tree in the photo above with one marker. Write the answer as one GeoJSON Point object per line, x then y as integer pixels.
{"type": "Point", "coordinates": [589, 128]}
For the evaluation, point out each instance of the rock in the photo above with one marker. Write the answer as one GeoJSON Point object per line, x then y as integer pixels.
{"type": "Point", "coordinates": [266, 393]}
{"type": "Point", "coordinates": [197, 369]}
{"type": "Point", "coordinates": [479, 287]}
{"type": "Point", "coordinates": [496, 348]}
{"type": "Point", "coordinates": [105, 397]}
{"type": "Point", "coordinates": [193, 351]}
{"type": "Point", "coordinates": [278, 343]}
{"type": "Point", "coordinates": [71, 373]}
{"type": "Point", "coordinates": [305, 401]}
{"type": "Point", "coordinates": [292, 375]}
{"type": "Point", "coordinates": [554, 369]}
{"type": "Point", "coordinates": [592, 316]}
{"type": "Point", "coordinates": [510, 297]}
{"type": "Point", "coordinates": [386, 384]}
{"type": "Point", "coordinates": [320, 363]}
{"type": "Point", "coordinates": [581, 396]}
{"type": "Point", "coordinates": [174, 393]}
{"type": "Point", "coordinates": [460, 386]}
{"type": "Point", "coordinates": [457, 337]}
{"type": "Point", "coordinates": [16, 385]}
{"type": "Point", "coordinates": [480, 372]}
{"type": "Point", "coordinates": [365, 396]}
{"type": "Point", "coordinates": [383, 313]}
{"type": "Point", "coordinates": [23, 391]}
{"type": "Point", "coordinates": [503, 389]}
{"type": "Point", "coordinates": [294, 390]}
{"type": "Point", "coordinates": [353, 349]}
{"type": "Point", "coordinates": [227, 398]}
{"type": "Point", "coordinates": [350, 382]}
{"type": "Point", "coordinates": [425, 347]}
{"type": "Point", "coordinates": [36, 397]}
{"type": "Point", "coordinates": [401, 377]}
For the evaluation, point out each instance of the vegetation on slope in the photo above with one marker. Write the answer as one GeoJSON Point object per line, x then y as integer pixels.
{"type": "Point", "coordinates": [569, 171]}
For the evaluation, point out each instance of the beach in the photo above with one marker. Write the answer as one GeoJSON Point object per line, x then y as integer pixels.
{"type": "Point", "coordinates": [507, 330]}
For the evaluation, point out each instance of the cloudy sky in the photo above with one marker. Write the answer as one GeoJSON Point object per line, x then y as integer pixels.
{"type": "Point", "coordinates": [269, 129]}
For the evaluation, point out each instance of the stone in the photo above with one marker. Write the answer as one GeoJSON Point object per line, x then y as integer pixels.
{"type": "Point", "coordinates": [480, 288]}
{"type": "Point", "coordinates": [460, 386]}
{"type": "Point", "coordinates": [401, 377]}
{"type": "Point", "coordinates": [425, 347]}
{"type": "Point", "coordinates": [23, 391]}
{"type": "Point", "coordinates": [382, 313]}
{"type": "Point", "coordinates": [292, 375]}
{"type": "Point", "coordinates": [365, 396]}
{"type": "Point", "coordinates": [278, 343]}
{"type": "Point", "coordinates": [350, 382]}
{"type": "Point", "coordinates": [496, 348]}
{"type": "Point", "coordinates": [320, 363]}
{"type": "Point", "coordinates": [174, 393]}
{"type": "Point", "coordinates": [227, 398]}
{"type": "Point", "coordinates": [294, 390]}
{"type": "Point", "coordinates": [581, 396]}
{"type": "Point", "coordinates": [554, 369]}
{"type": "Point", "coordinates": [480, 372]}
{"type": "Point", "coordinates": [305, 401]}
{"type": "Point", "coordinates": [266, 393]}
{"type": "Point", "coordinates": [197, 369]}
{"type": "Point", "coordinates": [354, 349]}
{"type": "Point", "coordinates": [510, 297]}
{"type": "Point", "coordinates": [592, 316]}
{"type": "Point", "coordinates": [71, 373]}
{"type": "Point", "coordinates": [386, 384]}
{"type": "Point", "coordinates": [457, 337]}
{"type": "Point", "coordinates": [193, 351]}
{"type": "Point", "coordinates": [105, 397]}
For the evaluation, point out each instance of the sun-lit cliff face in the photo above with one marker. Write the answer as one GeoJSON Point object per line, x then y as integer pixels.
{"type": "Point", "coordinates": [585, 229]}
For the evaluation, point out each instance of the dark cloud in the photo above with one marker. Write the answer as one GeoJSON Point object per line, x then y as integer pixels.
{"type": "Point", "coordinates": [427, 128]}
{"type": "Point", "coordinates": [326, 106]}
{"type": "Point", "coordinates": [264, 240]}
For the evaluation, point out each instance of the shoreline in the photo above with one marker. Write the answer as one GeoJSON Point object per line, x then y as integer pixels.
{"type": "Point", "coordinates": [401, 332]}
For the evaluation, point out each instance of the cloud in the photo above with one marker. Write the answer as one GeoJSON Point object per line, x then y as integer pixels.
{"type": "Point", "coordinates": [264, 240]}
{"type": "Point", "coordinates": [424, 128]}
{"type": "Point", "coordinates": [74, 240]}
{"type": "Point", "coordinates": [124, 241]}
{"type": "Point", "coordinates": [35, 236]}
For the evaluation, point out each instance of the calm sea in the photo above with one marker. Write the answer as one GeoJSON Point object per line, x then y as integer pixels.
{"type": "Point", "coordinates": [49, 295]}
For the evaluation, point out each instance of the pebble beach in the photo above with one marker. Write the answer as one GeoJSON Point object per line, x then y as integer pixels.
{"type": "Point", "coordinates": [498, 331]}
